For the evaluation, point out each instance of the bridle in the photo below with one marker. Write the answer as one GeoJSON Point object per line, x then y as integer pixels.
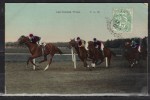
{"type": "Point", "coordinates": [26, 42]}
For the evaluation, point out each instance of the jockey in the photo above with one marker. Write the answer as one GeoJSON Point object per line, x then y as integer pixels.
{"type": "Point", "coordinates": [98, 45]}
{"type": "Point", "coordinates": [35, 39]}
{"type": "Point", "coordinates": [134, 44]}
{"type": "Point", "coordinates": [80, 42]}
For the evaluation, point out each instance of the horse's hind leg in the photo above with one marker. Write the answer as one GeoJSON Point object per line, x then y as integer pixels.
{"type": "Point", "coordinates": [49, 62]}
{"type": "Point", "coordinates": [85, 64]}
{"type": "Point", "coordinates": [45, 59]}
{"type": "Point", "coordinates": [31, 60]}
{"type": "Point", "coordinates": [93, 63]}
{"type": "Point", "coordinates": [109, 59]}
{"type": "Point", "coordinates": [28, 61]}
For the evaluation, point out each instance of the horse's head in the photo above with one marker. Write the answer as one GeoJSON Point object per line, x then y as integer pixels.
{"type": "Point", "coordinates": [90, 45]}
{"type": "Point", "coordinates": [72, 43]}
{"type": "Point", "coordinates": [23, 39]}
{"type": "Point", "coordinates": [127, 44]}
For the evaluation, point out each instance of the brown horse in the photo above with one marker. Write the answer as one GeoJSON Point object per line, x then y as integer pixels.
{"type": "Point", "coordinates": [36, 51]}
{"type": "Point", "coordinates": [96, 54]}
{"type": "Point", "coordinates": [143, 48]}
{"type": "Point", "coordinates": [131, 54]}
{"type": "Point", "coordinates": [82, 52]}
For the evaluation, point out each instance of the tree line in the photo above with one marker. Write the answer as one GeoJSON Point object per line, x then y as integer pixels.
{"type": "Point", "coordinates": [116, 43]}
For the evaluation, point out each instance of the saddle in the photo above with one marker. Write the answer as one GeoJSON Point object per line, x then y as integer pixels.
{"type": "Point", "coordinates": [136, 47]}
{"type": "Point", "coordinates": [35, 39]}
{"type": "Point", "coordinates": [42, 46]}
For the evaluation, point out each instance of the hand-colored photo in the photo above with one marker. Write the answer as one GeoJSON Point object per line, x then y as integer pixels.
{"type": "Point", "coordinates": [76, 49]}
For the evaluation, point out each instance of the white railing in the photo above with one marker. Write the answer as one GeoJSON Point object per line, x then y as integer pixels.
{"type": "Point", "coordinates": [73, 58]}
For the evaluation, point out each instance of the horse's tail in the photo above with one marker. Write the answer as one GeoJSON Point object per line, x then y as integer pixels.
{"type": "Point", "coordinates": [59, 51]}
{"type": "Point", "coordinates": [114, 54]}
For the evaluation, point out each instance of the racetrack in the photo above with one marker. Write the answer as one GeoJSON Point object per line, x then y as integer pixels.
{"type": "Point", "coordinates": [62, 78]}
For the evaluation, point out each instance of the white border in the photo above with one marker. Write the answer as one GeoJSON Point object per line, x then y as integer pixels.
{"type": "Point", "coordinates": [94, 94]}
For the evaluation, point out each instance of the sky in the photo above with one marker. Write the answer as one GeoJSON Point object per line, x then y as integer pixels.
{"type": "Point", "coordinates": [51, 22]}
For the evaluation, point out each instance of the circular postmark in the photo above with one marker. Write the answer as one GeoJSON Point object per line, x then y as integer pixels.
{"type": "Point", "coordinates": [122, 20]}
{"type": "Point", "coordinates": [109, 27]}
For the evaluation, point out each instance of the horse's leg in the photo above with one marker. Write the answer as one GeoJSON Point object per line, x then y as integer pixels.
{"type": "Point", "coordinates": [28, 61]}
{"type": "Point", "coordinates": [132, 62]}
{"type": "Point", "coordinates": [31, 60]}
{"type": "Point", "coordinates": [45, 59]}
{"type": "Point", "coordinates": [85, 64]}
{"type": "Point", "coordinates": [137, 58]}
{"type": "Point", "coordinates": [50, 61]}
{"type": "Point", "coordinates": [93, 63]}
{"type": "Point", "coordinates": [109, 59]}
{"type": "Point", "coordinates": [102, 60]}
{"type": "Point", "coordinates": [82, 60]}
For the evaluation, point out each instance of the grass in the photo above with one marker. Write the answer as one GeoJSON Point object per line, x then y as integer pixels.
{"type": "Point", "coordinates": [61, 78]}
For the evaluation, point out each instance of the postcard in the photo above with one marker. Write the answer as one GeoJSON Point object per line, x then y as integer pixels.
{"type": "Point", "coordinates": [69, 49]}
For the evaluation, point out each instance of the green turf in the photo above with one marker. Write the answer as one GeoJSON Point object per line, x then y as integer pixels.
{"type": "Point", "coordinates": [62, 78]}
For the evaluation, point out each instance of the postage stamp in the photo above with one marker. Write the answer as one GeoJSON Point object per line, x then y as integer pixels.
{"type": "Point", "coordinates": [122, 20]}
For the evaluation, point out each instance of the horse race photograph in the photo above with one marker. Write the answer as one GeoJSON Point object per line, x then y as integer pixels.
{"type": "Point", "coordinates": [76, 49]}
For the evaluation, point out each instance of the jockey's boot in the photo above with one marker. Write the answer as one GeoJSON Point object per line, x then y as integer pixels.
{"type": "Point", "coordinates": [102, 53]}
{"type": "Point", "coordinates": [38, 44]}
{"type": "Point", "coordinates": [134, 46]}
{"type": "Point", "coordinates": [43, 46]}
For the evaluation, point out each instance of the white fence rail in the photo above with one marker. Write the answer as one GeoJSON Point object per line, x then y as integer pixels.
{"type": "Point", "coordinates": [73, 58]}
{"type": "Point", "coordinates": [22, 57]}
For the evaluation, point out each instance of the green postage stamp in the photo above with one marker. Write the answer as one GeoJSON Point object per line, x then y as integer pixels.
{"type": "Point", "coordinates": [122, 20]}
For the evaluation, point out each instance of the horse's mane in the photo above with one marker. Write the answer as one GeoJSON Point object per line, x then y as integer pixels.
{"type": "Point", "coordinates": [90, 42]}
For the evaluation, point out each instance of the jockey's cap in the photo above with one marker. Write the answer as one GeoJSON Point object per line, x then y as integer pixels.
{"type": "Point", "coordinates": [127, 42]}
{"type": "Point", "coordinates": [94, 39]}
{"type": "Point", "coordinates": [30, 34]}
{"type": "Point", "coordinates": [78, 38]}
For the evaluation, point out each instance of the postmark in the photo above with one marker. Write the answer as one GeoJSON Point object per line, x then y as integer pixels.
{"type": "Point", "coordinates": [122, 20]}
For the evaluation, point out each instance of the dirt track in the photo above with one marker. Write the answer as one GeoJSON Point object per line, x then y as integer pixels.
{"type": "Point", "coordinates": [61, 78]}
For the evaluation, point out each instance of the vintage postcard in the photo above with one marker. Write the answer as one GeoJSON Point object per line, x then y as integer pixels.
{"type": "Point", "coordinates": [90, 49]}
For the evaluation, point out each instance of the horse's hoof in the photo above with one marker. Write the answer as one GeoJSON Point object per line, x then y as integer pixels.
{"type": "Point", "coordinates": [93, 65]}
{"type": "Point", "coordinates": [90, 69]}
{"type": "Point", "coordinates": [131, 66]}
{"type": "Point", "coordinates": [136, 62]}
{"type": "Point", "coordinates": [45, 69]}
